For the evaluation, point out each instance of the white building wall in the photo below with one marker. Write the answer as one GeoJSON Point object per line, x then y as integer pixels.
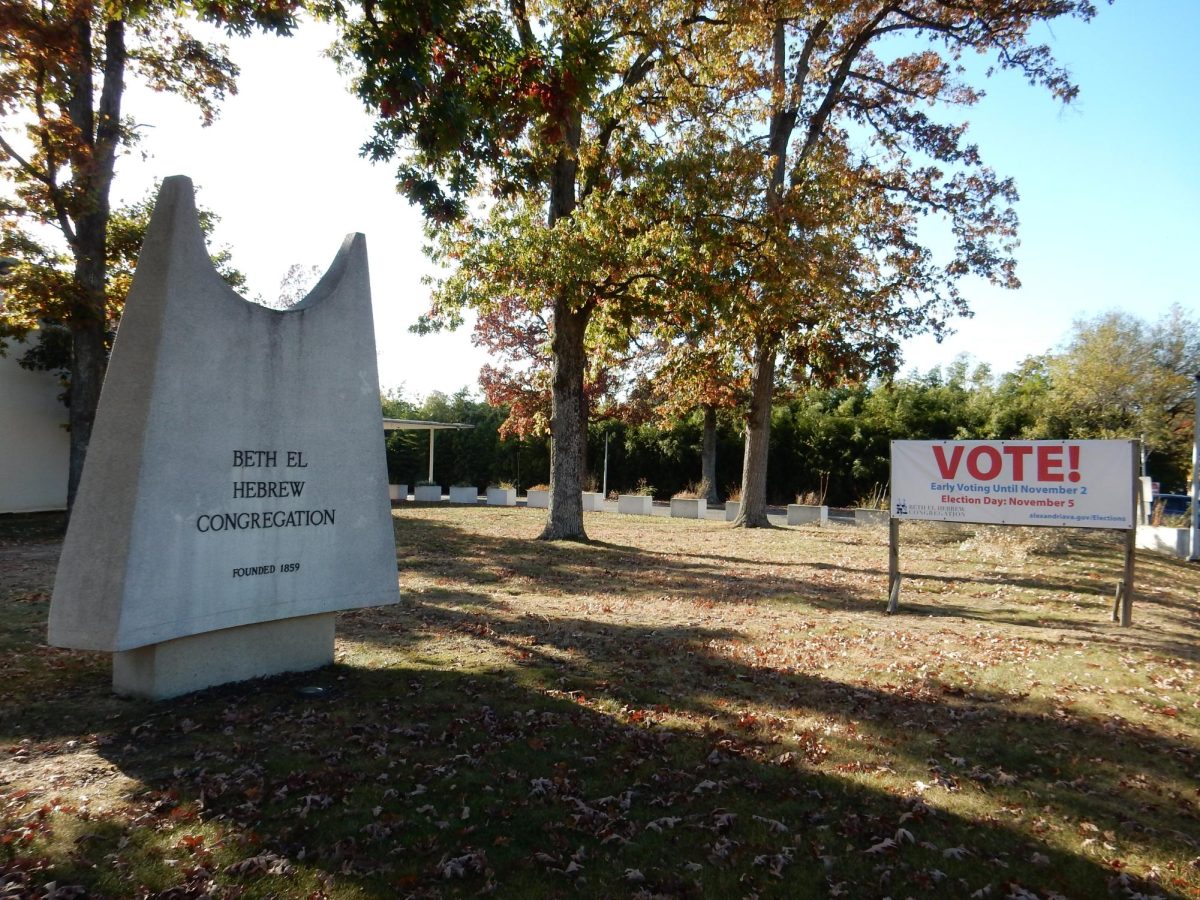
{"type": "Point", "coordinates": [34, 445]}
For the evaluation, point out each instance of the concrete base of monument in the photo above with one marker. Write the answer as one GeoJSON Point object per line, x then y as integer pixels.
{"type": "Point", "coordinates": [159, 671]}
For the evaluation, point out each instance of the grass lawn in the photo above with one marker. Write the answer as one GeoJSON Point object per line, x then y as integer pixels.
{"type": "Point", "coordinates": [676, 709]}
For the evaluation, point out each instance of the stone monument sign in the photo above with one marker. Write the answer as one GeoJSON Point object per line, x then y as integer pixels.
{"type": "Point", "coordinates": [234, 496]}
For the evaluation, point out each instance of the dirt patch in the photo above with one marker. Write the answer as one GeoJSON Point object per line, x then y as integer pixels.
{"type": "Point", "coordinates": [27, 570]}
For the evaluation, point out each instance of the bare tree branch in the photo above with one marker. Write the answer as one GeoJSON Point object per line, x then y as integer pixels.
{"type": "Point", "coordinates": [48, 179]}
{"type": "Point", "coordinates": [817, 123]}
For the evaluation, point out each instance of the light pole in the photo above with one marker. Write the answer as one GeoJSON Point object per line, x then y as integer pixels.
{"type": "Point", "coordinates": [604, 485]}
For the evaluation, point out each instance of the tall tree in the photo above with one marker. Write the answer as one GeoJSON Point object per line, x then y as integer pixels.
{"type": "Point", "coordinates": [37, 286]}
{"type": "Point", "coordinates": [520, 376]}
{"type": "Point", "coordinates": [1118, 376]}
{"type": "Point", "coordinates": [852, 162]}
{"type": "Point", "coordinates": [63, 70]}
{"type": "Point", "coordinates": [689, 360]}
{"type": "Point", "coordinates": [680, 373]}
{"type": "Point", "coordinates": [547, 115]}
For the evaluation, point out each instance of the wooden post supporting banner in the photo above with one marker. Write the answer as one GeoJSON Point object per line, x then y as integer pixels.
{"type": "Point", "coordinates": [1127, 582]}
{"type": "Point", "coordinates": [1126, 593]}
{"type": "Point", "coordinates": [893, 565]}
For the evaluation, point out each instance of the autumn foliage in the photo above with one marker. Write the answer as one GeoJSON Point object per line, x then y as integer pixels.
{"type": "Point", "coordinates": [753, 180]}
{"type": "Point", "coordinates": [63, 72]}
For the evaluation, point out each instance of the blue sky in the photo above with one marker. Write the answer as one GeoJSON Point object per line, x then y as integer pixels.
{"type": "Point", "coordinates": [1110, 190]}
{"type": "Point", "coordinates": [1110, 195]}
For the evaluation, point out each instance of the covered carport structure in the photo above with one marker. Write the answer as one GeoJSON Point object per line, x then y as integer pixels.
{"type": "Point", "coordinates": [420, 425]}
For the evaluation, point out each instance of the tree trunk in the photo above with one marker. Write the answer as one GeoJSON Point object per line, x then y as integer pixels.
{"type": "Point", "coordinates": [89, 356]}
{"type": "Point", "coordinates": [708, 453]}
{"type": "Point", "coordinates": [568, 423]}
{"type": "Point", "coordinates": [92, 173]}
{"type": "Point", "coordinates": [753, 510]}
{"type": "Point", "coordinates": [567, 431]}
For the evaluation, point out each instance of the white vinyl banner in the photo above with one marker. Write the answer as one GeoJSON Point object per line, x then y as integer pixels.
{"type": "Point", "coordinates": [1069, 484]}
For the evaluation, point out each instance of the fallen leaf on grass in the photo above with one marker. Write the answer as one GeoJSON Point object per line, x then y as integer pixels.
{"type": "Point", "coordinates": [772, 824]}
{"type": "Point", "coordinates": [460, 866]}
{"type": "Point", "coordinates": [665, 822]}
{"type": "Point", "coordinates": [882, 847]}
{"type": "Point", "coordinates": [263, 864]}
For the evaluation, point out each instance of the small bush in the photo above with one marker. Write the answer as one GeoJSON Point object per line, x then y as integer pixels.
{"type": "Point", "coordinates": [1159, 517]}
{"type": "Point", "coordinates": [643, 488]}
{"type": "Point", "coordinates": [876, 499]}
{"type": "Point", "coordinates": [693, 491]}
{"type": "Point", "coordinates": [538, 487]}
{"type": "Point", "coordinates": [817, 497]}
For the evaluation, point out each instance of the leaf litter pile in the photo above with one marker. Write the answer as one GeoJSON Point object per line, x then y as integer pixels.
{"type": "Point", "coordinates": [676, 709]}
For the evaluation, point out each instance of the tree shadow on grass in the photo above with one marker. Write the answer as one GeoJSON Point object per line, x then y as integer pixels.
{"type": "Point", "coordinates": [470, 563]}
{"type": "Point", "coordinates": [633, 743]}
{"type": "Point", "coordinates": [1100, 628]}
{"type": "Point", "coordinates": [435, 781]}
{"type": "Point", "coordinates": [1087, 764]}
{"type": "Point", "coordinates": [1166, 615]}
{"type": "Point", "coordinates": [679, 665]}
{"type": "Point", "coordinates": [485, 561]}
{"type": "Point", "coordinates": [405, 782]}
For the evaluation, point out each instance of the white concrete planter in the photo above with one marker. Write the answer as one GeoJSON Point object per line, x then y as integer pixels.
{"type": "Point", "coordinates": [731, 510]}
{"type": "Point", "coordinates": [593, 501]}
{"type": "Point", "coordinates": [635, 504]}
{"type": "Point", "coordinates": [688, 509]}
{"type": "Point", "coordinates": [538, 499]}
{"type": "Point", "coordinates": [397, 493]}
{"type": "Point", "coordinates": [1171, 541]}
{"type": "Point", "coordinates": [427, 493]}
{"type": "Point", "coordinates": [468, 494]}
{"type": "Point", "coordinates": [803, 514]}
{"type": "Point", "coordinates": [501, 496]}
{"type": "Point", "coordinates": [871, 516]}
